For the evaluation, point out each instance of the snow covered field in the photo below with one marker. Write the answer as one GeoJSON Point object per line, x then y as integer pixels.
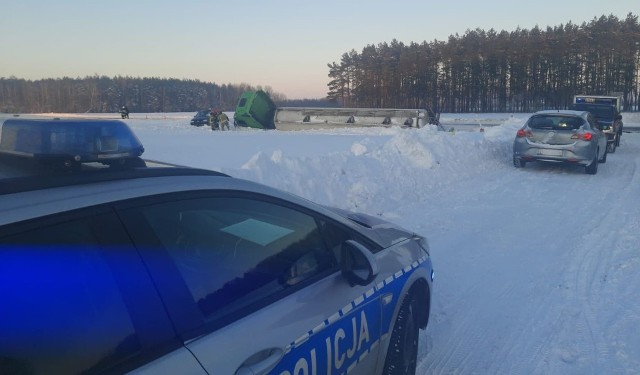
{"type": "Point", "coordinates": [537, 269]}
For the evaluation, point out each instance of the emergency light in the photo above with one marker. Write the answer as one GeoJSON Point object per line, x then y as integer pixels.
{"type": "Point", "coordinates": [69, 141]}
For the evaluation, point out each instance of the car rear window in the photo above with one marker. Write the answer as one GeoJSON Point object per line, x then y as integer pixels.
{"type": "Point", "coordinates": [555, 122]}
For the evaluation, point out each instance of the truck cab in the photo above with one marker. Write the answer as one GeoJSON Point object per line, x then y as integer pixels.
{"type": "Point", "coordinates": [606, 109]}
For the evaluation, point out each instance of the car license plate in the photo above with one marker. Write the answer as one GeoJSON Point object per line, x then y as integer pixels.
{"type": "Point", "coordinates": [547, 152]}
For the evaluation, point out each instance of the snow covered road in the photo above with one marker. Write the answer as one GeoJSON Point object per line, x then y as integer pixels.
{"type": "Point", "coordinates": [537, 270]}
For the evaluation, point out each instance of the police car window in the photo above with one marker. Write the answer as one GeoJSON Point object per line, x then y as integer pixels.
{"type": "Point", "coordinates": [233, 252]}
{"type": "Point", "coordinates": [62, 312]}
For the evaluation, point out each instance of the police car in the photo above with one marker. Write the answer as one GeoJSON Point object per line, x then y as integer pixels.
{"type": "Point", "coordinates": [112, 264]}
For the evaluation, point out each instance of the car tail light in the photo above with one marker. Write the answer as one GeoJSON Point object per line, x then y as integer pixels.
{"type": "Point", "coordinates": [524, 133]}
{"type": "Point", "coordinates": [583, 136]}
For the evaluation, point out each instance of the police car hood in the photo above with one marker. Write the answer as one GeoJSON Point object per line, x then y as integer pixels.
{"type": "Point", "coordinates": [385, 232]}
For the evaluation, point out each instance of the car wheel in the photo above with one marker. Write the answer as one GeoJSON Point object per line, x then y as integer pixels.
{"type": "Point", "coordinates": [518, 163]}
{"type": "Point", "coordinates": [611, 147]}
{"type": "Point", "coordinates": [593, 167]}
{"type": "Point", "coordinates": [402, 354]}
{"type": "Point", "coordinates": [604, 157]}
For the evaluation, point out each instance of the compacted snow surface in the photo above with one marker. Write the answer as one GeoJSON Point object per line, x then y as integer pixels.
{"type": "Point", "coordinates": [537, 269]}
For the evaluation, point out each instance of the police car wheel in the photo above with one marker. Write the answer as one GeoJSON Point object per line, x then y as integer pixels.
{"type": "Point", "coordinates": [403, 347]}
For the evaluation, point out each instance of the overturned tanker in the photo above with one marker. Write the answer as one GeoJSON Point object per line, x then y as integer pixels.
{"type": "Point", "coordinates": [256, 109]}
{"type": "Point", "coordinates": [290, 118]}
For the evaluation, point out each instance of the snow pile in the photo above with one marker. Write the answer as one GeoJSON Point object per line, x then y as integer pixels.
{"type": "Point", "coordinates": [371, 176]}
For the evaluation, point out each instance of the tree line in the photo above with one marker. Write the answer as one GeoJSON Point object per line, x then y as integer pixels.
{"type": "Point", "coordinates": [480, 71]}
{"type": "Point", "coordinates": [489, 71]}
{"type": "Point", "coordinates": [101, 94]}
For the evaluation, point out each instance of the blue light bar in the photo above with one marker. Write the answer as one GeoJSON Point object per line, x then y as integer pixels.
{"type": "Point", "coordinates": [78, 141]}
{"type": "Point", "coordinates": [595, 100]}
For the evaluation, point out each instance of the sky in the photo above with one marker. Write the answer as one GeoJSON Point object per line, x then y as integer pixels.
{"type": "Point", "coordinates": [537, 269]}
{"type": "Point", "coordinates": [282, 44]}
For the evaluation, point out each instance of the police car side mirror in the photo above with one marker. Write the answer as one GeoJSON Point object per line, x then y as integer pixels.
{"type": "Point", "coordinates": [358, 264]}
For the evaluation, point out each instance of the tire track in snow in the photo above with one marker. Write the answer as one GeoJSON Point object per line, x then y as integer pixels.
{"type": "Point", "coordinates": [592, 270]}
{"type": "Point", "coordinates": [475, 334]}
{"type": "Point", "coordinates": [585, 267]}
{"type": "Point", "coordinates": [550, 316]}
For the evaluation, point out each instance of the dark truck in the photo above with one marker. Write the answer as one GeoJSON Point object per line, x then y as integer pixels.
{"type": "Point", "coordinates": [606, 109]}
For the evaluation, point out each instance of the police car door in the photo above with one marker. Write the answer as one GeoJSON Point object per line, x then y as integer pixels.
{"type": "Point", "coordinates": [264, 279]}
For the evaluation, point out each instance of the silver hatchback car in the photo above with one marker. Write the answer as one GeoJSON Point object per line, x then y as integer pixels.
{"type": "Point", "coordinates": [573, 137]}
